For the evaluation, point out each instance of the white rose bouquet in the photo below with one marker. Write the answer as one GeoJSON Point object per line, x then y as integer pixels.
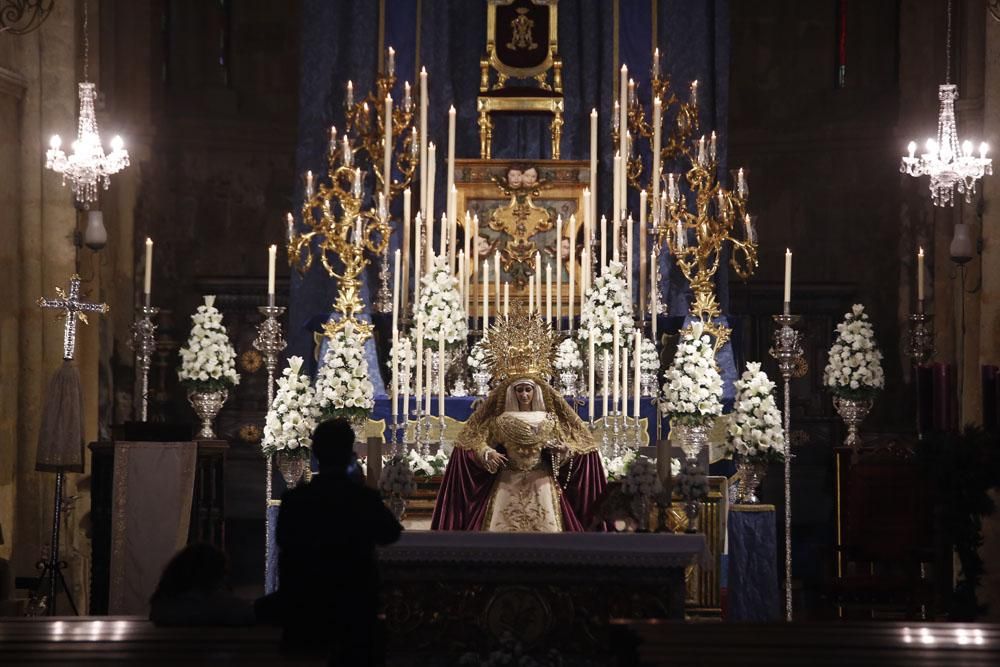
{"type": "Point", "coordinates": [406, 360]}
{"type": "Point", "coordinates": [568, 357]}
{"type": "Point", "coordinates": [755, 430]}
{"type": "Point", "coordinates": [397, 478]}
{"type": "Point", "coordinates": [208, 361]}
{"type": "Point", "coordinates": [440, 308]}
{"type": "Point", "coordinates": [641, 478]}
{"type": "Point", "coordinates": [342, 385]}
{"type": "Point", "coordinates": [477, 356]}
{"type": "Point", "coordinates": [292, 417]}
{"type": "Point", "coordinates": [615, 467]}
{"type": "Point", "coordinates": [692, 393]}
{"type": "Point", "coordinates": [854, 367]}
{"type": "Point", "coordinates": [427, 466]}
{"type": "Point", "coordinates": [649, 359]}
{"type": "Point", "coordinates": [606, 298]}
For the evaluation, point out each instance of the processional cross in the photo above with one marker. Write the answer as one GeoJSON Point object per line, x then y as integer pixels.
{"type": "Point", "coordinates": [73, 309]}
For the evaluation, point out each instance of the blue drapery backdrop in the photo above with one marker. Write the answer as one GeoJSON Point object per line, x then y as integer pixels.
{"type": "Point", "coordinates": [340, 42]}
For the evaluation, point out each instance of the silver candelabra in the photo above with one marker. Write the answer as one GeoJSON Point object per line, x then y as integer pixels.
{"type": "Point", "coordinates": [787, 350]}
{"type": "Point", "coordinates": [270, 343]}
{"type": "Point", "coordinates": [144, 345]}
{"type": "Point", "coordinates": [919, 348]}
{"type": "Point", "coordinates": [383, 298]}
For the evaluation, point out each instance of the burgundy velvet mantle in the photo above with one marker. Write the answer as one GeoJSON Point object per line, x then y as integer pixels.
{"type": "Point", "coordinates": [466, 486]}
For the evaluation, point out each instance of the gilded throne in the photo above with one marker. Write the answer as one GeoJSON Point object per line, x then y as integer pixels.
{"type": "Point", "coordinates": [521, 44]}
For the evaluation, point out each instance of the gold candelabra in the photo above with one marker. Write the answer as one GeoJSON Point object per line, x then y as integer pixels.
{"type": "Point", "coordinates": [716, 216]}
{"type": "Point", "coordinates": [675, 140]}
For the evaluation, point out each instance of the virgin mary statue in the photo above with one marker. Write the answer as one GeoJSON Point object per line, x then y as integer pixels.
{"type": "Point", "coordinates": [524, 461]}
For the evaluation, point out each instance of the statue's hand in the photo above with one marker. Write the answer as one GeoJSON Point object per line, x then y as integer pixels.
{"type": "Point", "coordinates": [493, 460]}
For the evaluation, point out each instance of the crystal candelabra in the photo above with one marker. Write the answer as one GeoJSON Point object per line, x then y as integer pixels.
{"type": "Point", "coordinates": [919, 348]}
{"type": "Point", "coordinates": [787, 350]}
{"type": "Point", "coordinates": [270, 343]}
{"type": "Point", "coordinates": [143, 344]}
{"type": "Point", "coordinates": [946, 163]}
{"type": "Point", "coordinates": [713, 218]}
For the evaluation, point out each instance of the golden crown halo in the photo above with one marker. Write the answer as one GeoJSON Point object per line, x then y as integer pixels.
{"type": "Point", "coordinates": [520, 345]}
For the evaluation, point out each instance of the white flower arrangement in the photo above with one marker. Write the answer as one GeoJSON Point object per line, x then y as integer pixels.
{"type": "Point", "coordinates": [293, 415]}
{"type": "Point", "coordinates": [649, 358]}
{"type": "Point", "coordinates": [568, 357]}
{"type": "Point", "coordinates": [616, 467]}
{"type": "Point", "coordinates": [440, 308]}
{"type": "Point", "coordinates": [477, 356]}
{"type": "Point", "coordinates": [427, 466]}
{"type": "Point", "coordinates": [755, 430]}
{"type": "Point", "coordinates": [641, 478]}
{"type": "Point", "coordinates": [692, 393]}
{"type": "Point", "coordinates": [854, 366]}
{"type": "Point", "coordinates": [406, 358]}
{"type": "Point", "coordinates": [342, 385]}
{"type": "Point", "coordinates": [208, 361]}
{"type": "Point", "coordinates": [397, 478]}
{"type": "Point", "coordinates": [606, 298]}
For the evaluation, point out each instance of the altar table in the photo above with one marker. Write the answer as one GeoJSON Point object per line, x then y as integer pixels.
{"type": "Point", "coordinates": [752, 562]}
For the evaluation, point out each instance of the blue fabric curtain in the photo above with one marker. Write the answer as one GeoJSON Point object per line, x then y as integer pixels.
{"type": "Point", "coordinates": [340, 42]}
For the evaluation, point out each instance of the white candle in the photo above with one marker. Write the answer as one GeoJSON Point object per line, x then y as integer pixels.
{"type": "Point", "coordinates": [604, 243]}
{"type": "Point", "coordinates": [559, 265]}
{"type": "Point", "coordinates": [531, 296]}
{"type": "Point", "coordinates": [537, 277]}
{"type": "Point", "coordinates": [441, 372]}
{"type": "Point", "coordinates": [429, 244]}
{"type": "Point", "coordinates": [496, 274]}
{"type": "Point", "coordinates": [605, 387]}
{"type": "Point", "coordinates": [445, 242]}
{"type": "Point", "coordinates": [417, 266]}
{"type": "Point", "coordinates": [548, 293]}
{"type": "Point", "coordinates": [788, 278]}
{"type": "Point", "coordinates": [486, 296]}
{"type": "Point", "coordinates": [431, 166]}
{"type": "Point", "coordinates": [920, 275]}
{"type": "Point", "coordinates": [429, 390]}
{"type": "Point", "coordinates": [395, 296]}
{"type": "Point", "coordinates": [423, 142]}
{"type": "Point", "coordinates": [464, 292]}
{"type": "Point", "coordinates": [616, 351]}
{"type": "Point", "coordinates": [147, 283]}
{"type": "Point", "coordinates": [451, 163]}
{"type": "Point", "coordinates": [615, 235]}
{"type": "Point", "coordinates": [272, 254]}
{"type": "Point", "coordinates": [592, 209]}
{"type": "Point", "coordinates": [584, 275]}
{"type": "Point", "coordinates": [387, 151]}
{"type": "Point", "coordinates": [588, 222]}
{"type": "Point", "coordinates": [590, 385]}
{"type": "Point", "coordinates": [653, 294]}
{"type": "Point", "coordinates": [470, 261]}
{"type": "Point", "coordinates": [636, 369]}
{"type": "Point", "coordinates": [395, 379]}
{"type": "Point", "coordinates": [629, 245]}
{"type": "Point", "coordinates": [572, 271]}
{"type": "Point", "coordinates": [622, 118]}
{"type": "Point", "coordinates": [642, 254]}
{"type": "Point", "coordinates": [419, 388]}
{"type": "Point", "coordinates": [452, 229]}
{"type": "Point", "coordinates": [657, 114]}
{"type": "Point", "coordinates": [616, 196]}
{"type": "Point", "coordinates": [506, 300]}
{"type": "Point", "coordinates": [407, 212]}
{"type": "Point", "coordinates": [290, 233]}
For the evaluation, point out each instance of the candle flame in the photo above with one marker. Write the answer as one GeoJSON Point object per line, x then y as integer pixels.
{"type": "Point", "coordinates": [921, 253]}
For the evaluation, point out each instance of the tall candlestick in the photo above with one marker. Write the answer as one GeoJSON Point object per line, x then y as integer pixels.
{"type": "Point", "coordinates": [272, 253]}
{"type": "Point", "coordinates": [423, 142]}
{"type": "Point", "coordinates": [590, 376]}
{"type": "Point", "coordinates": [604, 388]}
{"type": "Point", "coordinates": [788, 279]}
{"type": "Point", "coordinates": [604, 243]}
{"type": "Point", "coordinates": [616, 351]}
{"type": "Point", "coordinates": [572, 272]}
{"type": "Point", "coordinates": [642, 254]}
{"type": "Point", "coordinates": [428, 389]}
{"type": "Point", "coordinates": [147, 283]}
{"type": "Point", "coordinates": [445, 241]}
{"type": "Point", "coordinates": [417, 266]}
{"type": "Point", "coordinates": [616, 196]}
{"type": "Point", "coordinates": [452, 229]}
{"type": "Point", "coordinates": [559, 265]}
{"type": "Point", "coordinates": [622, 120]}
{"type": "Point", "coordinates": [531, 296]}
{"type": "Point", "coordinates": [441, 373]}
{"type": "Point", "coordinates": [506, 300]}
{"type": "Point", "coordinates": [592, 208]}
{"type": "Point", "coordinates": [451, 163]}
{"type": "Point", "coordinates": [623, 379]}
{"type": "Point", "coordinates": [653, 294]}
{"type": "Point", "coordinates": [395, 380]}
{"type": "Point", "coordinates": [588, 225]}
{"type": "Point", "coordinates": [615, 235]}
{"type": "Point", "coordinates": [407, 212]}
{"type": "Point", "coordinates": [470, 261]}
{"type": "Point", "coordinates": [431, 166]}
{"type": "Point", "coordinates": [395, 296]}
{"type": "Point", "coordinates": [428, 244]}
{"type": "Point", "coordinates": [636, 370]}
{"type": "Point", "coordinates": [629, 246]}
{"type": "Point", "coordinates": [419, 387]}
{"type": "Point", "coordinates": [584, 276]}
{"type": "Point", "coordinates": [387, 151]}
{"type": "Point", "coordinates": [496, 274]}
{"type": "Point", "coordinates": [537, 277]}
{"type": "Point", "coordinates": [486, 296]}
{"type": "Point", "coordinates": [920, 275]}
{"type": "Point", "coordinates": [464, 292]}
{"type": "Point", "coordinates": [548, 293]}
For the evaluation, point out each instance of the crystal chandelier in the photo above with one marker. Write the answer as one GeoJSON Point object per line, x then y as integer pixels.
{"type": "Point", "coordinates": [946, 163]}
{"type": "Point", "coordinates": [88, 165]}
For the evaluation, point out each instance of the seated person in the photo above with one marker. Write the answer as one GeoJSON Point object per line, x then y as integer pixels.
{"type": "Point", "coordinates": [193, 591]}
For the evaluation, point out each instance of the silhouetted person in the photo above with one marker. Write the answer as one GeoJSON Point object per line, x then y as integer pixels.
{"type": "Point", "coordinates": [327, 533]}
{"type": "Point", "coordinates": [193, 591]}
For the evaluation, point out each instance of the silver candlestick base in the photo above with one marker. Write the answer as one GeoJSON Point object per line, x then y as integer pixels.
{"type": "Point", "coordinates": [787, 349]}
{"type": "Point", "coordinates": [270, 343]}
{"type": "Point", "coordinates": [144, 345]}
{"type": "Point", "coordinates": [920, 342]}
{"type": "Point", "coordinates": [383, 299]}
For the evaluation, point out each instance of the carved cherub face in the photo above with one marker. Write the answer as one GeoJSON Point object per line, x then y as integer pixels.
{"type": "Point", "coordinates": [514, 178]}
{"type": "Point", "coordinates": [529, 177]}
{"type": "Point", "coordinates": [524, 393]}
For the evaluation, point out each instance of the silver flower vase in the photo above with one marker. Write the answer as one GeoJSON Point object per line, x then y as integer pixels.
{"type": "Point", "coordinates": [292, 465]}
{"type": "Point", "coordinates": [751, 475]}
{"type": "Point", "coordinates": [569, 381]}
{"type": "Point", "coordinates": [482, 380]}
{"type": "Point", "coordinates": [647, 384]}
{"type": "Point", "coordinates": [691, 438]}
{"type": "Point", "coordinates": [206, 405]}
{"type": "Point", "coordinates": [853, 412]}
{"type": "Point", "coordinates": [397, 505]}
{"type": "Point", "coordinates": [360, 424]}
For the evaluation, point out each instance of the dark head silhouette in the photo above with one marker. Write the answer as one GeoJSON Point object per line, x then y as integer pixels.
{"type": "Point", "coordinates": [197, 568]}
{"type": "Point", "coordinates": [333, 444]}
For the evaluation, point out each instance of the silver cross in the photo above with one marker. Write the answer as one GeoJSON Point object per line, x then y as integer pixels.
{"type": "Point", "coordinates": [74, 310]}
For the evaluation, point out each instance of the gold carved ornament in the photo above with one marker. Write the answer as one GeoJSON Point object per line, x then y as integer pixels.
{"type": "Point", "coordinates": [520, 220]}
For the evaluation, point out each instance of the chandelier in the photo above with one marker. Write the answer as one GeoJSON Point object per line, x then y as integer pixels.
{"type": "Point", "coordinates": [948, 164]}
{"type": "Point", "coordinates": [87, 165]}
